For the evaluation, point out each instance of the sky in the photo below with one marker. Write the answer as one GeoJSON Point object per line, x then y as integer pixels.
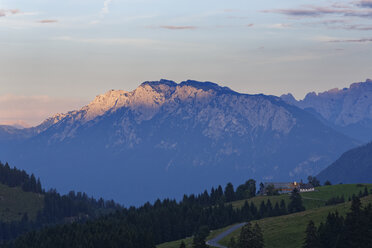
{"type": "Point", "coordinates": [56, 56]}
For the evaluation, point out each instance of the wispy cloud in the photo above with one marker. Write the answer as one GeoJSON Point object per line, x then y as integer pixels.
{"type": "Point", "coordinates": [105, 10]}
{"type": "Point", "coordinates": [230, 10]}
{"type": "Point", "coordinates": [316, 11]}
{"type": "Point", "coordinates": [305, 12]}
{"type": "Point", "coordinates": [170, 27]}
{"type": "Point", "coordinates": [109, 41]}
{"type": "Point", "coordinates": [363, 40]}
{"type": "Point", "coordinates": [364, 3]}
{"type": "Point", "coordinates": [280, 26]}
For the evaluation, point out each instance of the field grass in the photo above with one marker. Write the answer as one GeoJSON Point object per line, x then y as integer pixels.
{"type": "Point", "coordinates": [277, 227]}
{"type": "Point", "coordinates": [14, 202]}
{"type": "Point", "coordinates": [288, 231]}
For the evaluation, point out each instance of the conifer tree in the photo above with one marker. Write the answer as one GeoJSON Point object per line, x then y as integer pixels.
{"type": "Point", "coordinates": [200, 236]}
{"type": "Point", "coordinates": [262, 210]}
{"type": "Point", "coordinates": [182, 245]}
{"type": "Point", "coordinates": [365, 191]}
{"type": "Point", "coordinates": [232, 243]}
{"type": "Point", "coordinates": [250, 237]}
{"type": "Point", "coordinates": [312, 238]}
{"type": "Point", "coordinates": [246, 236]}
{"type": "Point", "coordinates": [276, 210]}
{"type": "Point", "coordinates": [229, 193]}
{"type": "Point", "coordinates": [283, 208]}
{"type": "Point", "coordinates": [258, 241]}
{"type": "Point", "coordinates": [269, 208]}
{"type": "Point", "coordinates": [295, 204]}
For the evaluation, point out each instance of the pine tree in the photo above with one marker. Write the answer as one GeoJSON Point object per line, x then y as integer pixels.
{"type": "Point", "coordinates": [232, 243]}
{"type": "Point", "coordinates": [182, 245]}
{"type": "Point", "coordinates": [262, 189]}
{"type": "Point", "coordinates": [200, 236]}
{"type": "Point", "coordinates": [269, 208]}
{"type": "Point", "coordinates": [262, 210]}
{"type": "Point", "coordinates": [312, 238]}
{"type": "Point", "coordinates": [251, 237]}
{"type": "Point", "coordinates": [38, 186]}
{"type": "Point", "coordinates": [246, 236]}
{"type": "Point", "coordinates": [276, 211]}
{"type": "Point", "coordinates": [283, 207]}
{"type": "Point", "coordinates": [295, 204]}
{"type": "Point", "coordinates": [229, 193]}
{"type": "Point", "coordinates": [327, 183]}
{"type": "Point", "coordinates": [365, 191]}
{"type": "Point", "coordinates": [258, 241]}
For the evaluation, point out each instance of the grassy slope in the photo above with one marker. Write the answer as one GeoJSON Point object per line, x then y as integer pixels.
{"type": "Point", "coordinates": [312, 200]}
{"type": "Point", "coordinates": [14, 202]}
{"type": "Point", "coordinates": [289, 231]}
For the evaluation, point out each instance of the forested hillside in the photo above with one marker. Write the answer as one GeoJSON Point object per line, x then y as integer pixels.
{"type": "Point", "coordinates": [354, 166]}
{"type": "Point", "coordinates": [26, 206]}
{"type": "Point", "coordinates": [162, 221]}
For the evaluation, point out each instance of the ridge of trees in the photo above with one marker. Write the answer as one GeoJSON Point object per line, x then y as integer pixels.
{"type": "Point", "coordinates": [353, 231]}
{"type": "Point", "coordinates": [75, 220]}
{"type": "Point", "coordinates": [14, 177]}
{"type": "Point", "coordinates": [163, 221]}
{"type": "Point", "coordinates": [249, 237]}
{"type": "Point", "coordinates": [72, 207]}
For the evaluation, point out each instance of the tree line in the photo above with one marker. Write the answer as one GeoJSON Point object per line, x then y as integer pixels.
{"type": "Point", "coordinates": [163, 221]}
{"type": "Point", "coordinates": [14, 177]}
{"type": "Point", "coordinates": [57, 209]}
{"type": "Point", "coordinates": [353, 231]}
{"type": "Point", "coordinates": [75, 216]}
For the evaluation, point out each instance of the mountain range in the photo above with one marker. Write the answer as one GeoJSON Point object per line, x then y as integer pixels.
{"type": "Point", "coordinates": [165, 138]}
{"type": "Point", "coordinates": [348, 110]}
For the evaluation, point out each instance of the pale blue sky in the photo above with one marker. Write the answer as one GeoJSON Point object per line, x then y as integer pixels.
{"type": "Point", "coordinates": [66, 52]}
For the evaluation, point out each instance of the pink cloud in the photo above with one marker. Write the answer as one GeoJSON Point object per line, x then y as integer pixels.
{"type": "Point", "coordinates": [48, 21]}
{"type": "Point", "coordinates": [8, 12]}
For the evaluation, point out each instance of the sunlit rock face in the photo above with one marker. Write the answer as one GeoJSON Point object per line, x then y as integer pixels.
{"type": "Point", "coordinates": [349, 110]}
{"type": "Point", "coordinates": [165, 139]}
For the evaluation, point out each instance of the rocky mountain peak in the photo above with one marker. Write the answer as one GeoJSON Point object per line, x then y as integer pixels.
{"type": "Point", "coordinates": [289, 98]}
{"type": "Point", "coordinates": [347, 107]}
